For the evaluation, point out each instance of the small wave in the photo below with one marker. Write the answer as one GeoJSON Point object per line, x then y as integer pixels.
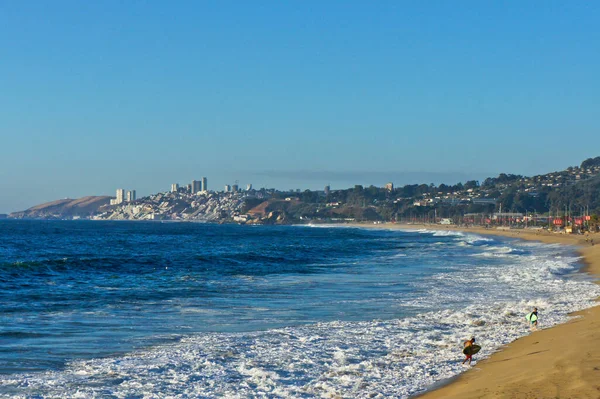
{"type": "Point", "coordinates": [491, 255]}
{"type": "Point", "coordinates": [459, 236]}
{"type": "Point", "coordinates": [20, 334]}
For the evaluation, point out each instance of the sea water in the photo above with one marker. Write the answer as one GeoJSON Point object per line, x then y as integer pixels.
{"type": "Point", "coordinates": [184, 310]}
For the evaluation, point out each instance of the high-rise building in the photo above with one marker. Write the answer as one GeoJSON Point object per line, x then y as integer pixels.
{"type": "Point", "coordinates": [131, 196]}
{"type": "Point", "coordinates": [204, 186]}
{"type": "Point", "coordinates": [248, 187]}
{"type": "Point", "coordinates": [120, 196]}
{"type": "Point", "coordinates": [188, 188]}
{"type": "Point", "coordinates": [327, 190]}
{"type": "Point", "coordinates": [193, 186]}
{"type": "Point", "coordinates": [196, 186]}
{"type": "Point", "coordinates": [389, 186]}
{"type": "Point", "coordinates": [227, 188]}
{"type": "Point", "coordinates": [235, 188]}
{"type": "Point", "coordinates": [174, 187]}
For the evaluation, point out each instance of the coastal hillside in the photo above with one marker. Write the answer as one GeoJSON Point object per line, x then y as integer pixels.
{"type": "Point", "coordinates": [572, 194]}
{"type": "Point", "coordinates": [64, 209]}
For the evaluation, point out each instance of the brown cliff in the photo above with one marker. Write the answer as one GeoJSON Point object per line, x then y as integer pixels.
{"type": "Point", "coordinates": [64, 209]}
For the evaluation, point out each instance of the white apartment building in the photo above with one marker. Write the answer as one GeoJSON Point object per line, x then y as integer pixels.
{"type": "Point", "coordinates": [120, 196]}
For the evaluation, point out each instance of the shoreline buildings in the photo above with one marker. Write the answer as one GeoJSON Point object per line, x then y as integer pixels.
{"type": "Point", "coordinates": [197, 186]}
{"type": "Point", "coordinates": [122, 197]}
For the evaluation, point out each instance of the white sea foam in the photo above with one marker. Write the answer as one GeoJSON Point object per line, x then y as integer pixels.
{"type": "Point", "coordinates": [370, 359]}
{"type": "Point", "coordinates": [468, 238]}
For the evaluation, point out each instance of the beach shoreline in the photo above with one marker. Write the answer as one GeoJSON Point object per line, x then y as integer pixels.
{"type": "Point", "coordinates": [562, 361]}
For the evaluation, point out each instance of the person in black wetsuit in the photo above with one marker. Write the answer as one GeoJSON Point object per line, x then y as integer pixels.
{"type": "Point", "coordinates": [534, 324]}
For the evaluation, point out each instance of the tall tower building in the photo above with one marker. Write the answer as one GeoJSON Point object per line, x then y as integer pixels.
{"type": "Point", "coordinates": [248, 187]}
{"type": "Point", "coordinates": [174, 187]}
{"type": "Point", "coordinates": [227, 188]}
{"type": "Point", "coordinates": [196, 186]}
{"type": "Point", "coordinates": [131, 196]}
{"type": "Point", "coordinates": [120, 196]}
{"type": "Point", "coordinates": [389, 186]}
{"type": "Point", "coordinates": [327, 190]}
{"type": "Point", "coordinates": [204, 184]}
{"type": "Point", "coordinates": [235, 188]}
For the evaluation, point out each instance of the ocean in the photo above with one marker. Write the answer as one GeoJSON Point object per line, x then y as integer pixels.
{"type": "Point", "coordinates": [95, 309]}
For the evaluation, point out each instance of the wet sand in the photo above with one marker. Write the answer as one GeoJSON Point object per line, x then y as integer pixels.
{"type": "Point", "coordinates": [558, 362]}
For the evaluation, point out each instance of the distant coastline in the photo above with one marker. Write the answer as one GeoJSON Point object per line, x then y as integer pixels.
{"type": "Point", "coordinates": [568, 199]}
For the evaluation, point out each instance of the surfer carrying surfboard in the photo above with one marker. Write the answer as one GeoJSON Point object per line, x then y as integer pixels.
{"type": "Point", "coordinates": [470, 349]}
{"type": "Point", "coordinates": [533, 319]}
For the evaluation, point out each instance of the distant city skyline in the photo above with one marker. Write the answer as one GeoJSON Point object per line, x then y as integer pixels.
{"type": "Point", "coordinates": [284, 181]}
{"type": "Point", "coordinates": [102, 95]}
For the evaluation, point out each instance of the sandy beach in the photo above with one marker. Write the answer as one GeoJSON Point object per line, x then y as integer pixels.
{"type": "Point", "coordinates": [558, 362]}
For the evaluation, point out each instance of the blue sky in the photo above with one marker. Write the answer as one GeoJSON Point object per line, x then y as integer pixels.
{"type": "Point", "coordinates": [141, 94]}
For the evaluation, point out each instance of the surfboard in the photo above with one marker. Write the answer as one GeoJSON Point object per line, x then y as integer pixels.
{"type": "Point", "coordinates": [471, 350]}
{"type": "Point", "coordinates": [531, 317]}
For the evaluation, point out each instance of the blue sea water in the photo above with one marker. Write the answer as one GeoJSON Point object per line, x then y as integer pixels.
{"type": "Point", "coordinates": [146, 310]}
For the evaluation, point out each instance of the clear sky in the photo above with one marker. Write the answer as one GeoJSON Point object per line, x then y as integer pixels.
{"type": "Point", "coordinates": [98, 95]}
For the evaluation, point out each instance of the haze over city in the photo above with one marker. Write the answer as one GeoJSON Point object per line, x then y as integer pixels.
{"type": "Point", "coordinates": [97, 96]}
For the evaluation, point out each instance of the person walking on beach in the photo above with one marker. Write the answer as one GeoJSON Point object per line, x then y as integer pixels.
{"type": "Point", "coordinates": [533, 319]}
{"type": "Point", "coordinates": [468, 350]}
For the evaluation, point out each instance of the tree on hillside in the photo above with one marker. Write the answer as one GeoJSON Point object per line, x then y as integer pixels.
{"type": "Point", "coordinates": [310, 197]}
{"type": "Point", "coordinates": [471, 184]}
{"type": "Point", "coordinates": [590, 162]}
